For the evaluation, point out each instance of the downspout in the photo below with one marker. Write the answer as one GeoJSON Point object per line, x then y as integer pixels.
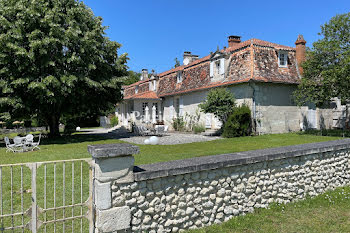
{"type": "Point", "coordinates": [251, 84]}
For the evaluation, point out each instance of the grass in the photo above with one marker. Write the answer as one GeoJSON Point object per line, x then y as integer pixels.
{"type": "Point", "coordinates": [329, 212]}
{"type": "Point", "coordinates": [75, 147]}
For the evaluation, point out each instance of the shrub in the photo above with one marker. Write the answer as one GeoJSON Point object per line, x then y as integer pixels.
{"type": "Point", "coordinates": [69, 127]}
{"type": "Point", "coordinates": [179, 124]}
{"type": "Point", "coordinates": [239, 123]}
{"type": "Point", "coordinates": [114, 121]}
{"type": "Point", "coordinates": [221, 102]}
{"type": "Point", "coordinates": [198, 128]}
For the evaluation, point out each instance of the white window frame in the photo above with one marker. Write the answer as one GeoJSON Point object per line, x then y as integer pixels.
{"type": "Point", "coordinates": [285, 58]}
{"type": "Point", "coordinates": [179, 77]}
{"type": "Point", "coordinates": [136, 89]}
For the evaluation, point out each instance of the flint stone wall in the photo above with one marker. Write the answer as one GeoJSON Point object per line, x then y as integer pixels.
{"type": "Point", "coordinates": [192, 193]}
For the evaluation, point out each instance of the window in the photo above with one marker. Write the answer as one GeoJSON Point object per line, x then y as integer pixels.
{"type": "Point", "coordinates": [217, 63]}
{"type": "Point", "coordinates": [144, 105]}
{"type": "Point", "coordinates": [282, 58]}
{"type": "Point", "coordinates": [136, 89]}
{"type": "Point", "coordinates": [179, 77]}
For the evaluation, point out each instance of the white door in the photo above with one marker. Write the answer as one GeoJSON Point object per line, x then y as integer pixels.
{"type": "Point", "coordinates": [311, 119]}
{"type": "Point", "coordinates": [208, 120]}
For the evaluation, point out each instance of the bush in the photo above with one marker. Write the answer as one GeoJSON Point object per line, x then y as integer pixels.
{"type": "Point", "coordinates": [69, 128]}
{"type": "Point", "coordinates": [114, 121]}
{"type": "Point", "coordinates": [198, 128]}
{"type": "Point", "coordinates": [179, 124]}
{"type": "Point", "coordinates": [239, 123]}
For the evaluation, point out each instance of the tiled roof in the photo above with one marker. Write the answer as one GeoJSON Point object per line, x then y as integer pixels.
{"type": "Point", "coordinates": [258, 66]}
{"type": "Point", "coordinates": [231, 49]}
{"type": "Point", "coordinates": [144, 95]}
{"type": "Point", "coordinates": [212, 85]}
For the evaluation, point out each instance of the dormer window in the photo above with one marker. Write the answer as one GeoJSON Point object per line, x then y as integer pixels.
{"type": "Point", "coordinates": [179, 77]}
{"type": "Point", "coordinates": [282, 58]}
{"type": "Point", "coordinates": [217, 68]}
{"type": "Point", "coordinates": [136, 89]}
{"type": "Point", "coordinates": [217, 63]}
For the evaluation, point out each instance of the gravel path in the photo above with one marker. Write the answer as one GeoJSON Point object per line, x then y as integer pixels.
{"type": "Point", "coordinates": [168, 139]}
{"type": "Point", "coordinates": [173, 138]}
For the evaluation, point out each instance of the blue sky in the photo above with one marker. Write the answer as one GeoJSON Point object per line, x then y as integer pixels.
{"type": "Point", "coordinates": [154, 32]}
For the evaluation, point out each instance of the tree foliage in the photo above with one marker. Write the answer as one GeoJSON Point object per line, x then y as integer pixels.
{"type": "Point", "coordinates": [327, 68]}
{"type": "Point", "coordinates": [177, 62]}
{"type": "Point", "coordinates": [132, 77]}
{"type": "Point", "coordinates": [56, 61]}
{"type": "Point", "coordinates": [220, 102]}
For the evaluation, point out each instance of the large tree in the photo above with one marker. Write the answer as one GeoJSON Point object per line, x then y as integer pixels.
{"type": "Point", "coordinates": [327, 68]}
{"type": "Point", "coordinates": [55, 60]}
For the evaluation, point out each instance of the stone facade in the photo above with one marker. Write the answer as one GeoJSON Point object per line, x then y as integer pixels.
{"type": "Point", "coordinates": [248, 64]}
{"type": "Point", "coordinates": [192, 193]}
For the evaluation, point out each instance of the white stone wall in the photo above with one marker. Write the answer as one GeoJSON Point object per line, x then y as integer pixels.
{"type": "Point", "coordinates": [199, 199]}
{"type": "Point", "coordinates": [191, 101]}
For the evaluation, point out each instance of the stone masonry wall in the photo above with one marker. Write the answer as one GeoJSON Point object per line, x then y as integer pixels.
{"type": "Point", "coordinates": [192, 193]}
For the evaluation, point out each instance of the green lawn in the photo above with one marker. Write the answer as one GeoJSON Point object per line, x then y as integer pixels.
{"type": "Point", "coordinates": [329, 212]}
{"type": "Point", "coordinates": [74, 147]}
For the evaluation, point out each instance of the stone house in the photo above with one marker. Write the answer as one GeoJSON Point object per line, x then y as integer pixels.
{"type": "Point", "coordinates": [259, 73]}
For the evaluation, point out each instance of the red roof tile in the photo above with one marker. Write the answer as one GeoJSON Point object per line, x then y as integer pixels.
{"type": "Point", "coordinates": [144, 95]}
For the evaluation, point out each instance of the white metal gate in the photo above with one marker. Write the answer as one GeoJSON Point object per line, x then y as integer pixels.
{"type": "Point", "coordinates": [53, 196]}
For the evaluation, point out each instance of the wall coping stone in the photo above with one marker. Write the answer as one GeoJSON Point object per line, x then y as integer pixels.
{"type": "Point", "coordinates": [112, 150]}
{"type": "Point", "coordinates": [178, 167]}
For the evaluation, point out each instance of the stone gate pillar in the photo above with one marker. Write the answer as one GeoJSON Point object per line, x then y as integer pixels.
{"type": "Point", "coordinates": [112, 163]}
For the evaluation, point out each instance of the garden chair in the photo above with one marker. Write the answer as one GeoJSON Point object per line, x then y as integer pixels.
{"type": "Point", "coordinates": [18, 143]}
{"type": "Point", "coordinates": [143, 131]}
{"type": "Point", "coordinates": [28, 142]}
{"type": "Point", "coordinates": [160, 129]}
{"type": "Point", "coordinates": [36, 144]}
{"type": "Point", "coordinates": [9, 146]}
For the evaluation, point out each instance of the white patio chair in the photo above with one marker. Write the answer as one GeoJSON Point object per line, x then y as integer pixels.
{"type": "Point", "coordinates": [160, 129]}
{"type": "Point", "coordinates": [36, 144]}
{"type": "Point", "coordinates": [143, 131]}
{"type": "Point", "coordinates": [28, 142]}
{"type": "Point", "coordinates": [9, 146]}
{"type": "Point", "coordinates": [18, 143]}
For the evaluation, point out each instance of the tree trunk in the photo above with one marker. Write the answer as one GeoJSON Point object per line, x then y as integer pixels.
{"type": "Point", "coordinates": [53, 122]}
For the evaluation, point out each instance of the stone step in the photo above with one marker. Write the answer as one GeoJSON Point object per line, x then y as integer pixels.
{"type": "Point", "coordinates": [210, 132]}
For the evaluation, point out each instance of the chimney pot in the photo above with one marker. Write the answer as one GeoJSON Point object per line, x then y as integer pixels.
{"type": "Point", "coordinates": [144, 74]}
{"type": "Point", "coordinates": [232, 40]}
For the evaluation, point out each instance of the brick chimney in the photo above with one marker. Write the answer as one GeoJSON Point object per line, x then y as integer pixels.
{"type": "Point", "coordinates": [300, 49]}
{"type": "Point", "coordinates": [144, 74]}
{"type": "Point", "coordinates": [232, 40]}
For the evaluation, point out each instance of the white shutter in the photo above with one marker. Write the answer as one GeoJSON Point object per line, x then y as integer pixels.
{"type": "Point", "coordinates": [171, 108]}
{"type": "Point", "coordinates": [222, 65]}
{"type": "Point", "coordinates": [211, 69]}
{"type": "Point", "coordinates": [181, 106]}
